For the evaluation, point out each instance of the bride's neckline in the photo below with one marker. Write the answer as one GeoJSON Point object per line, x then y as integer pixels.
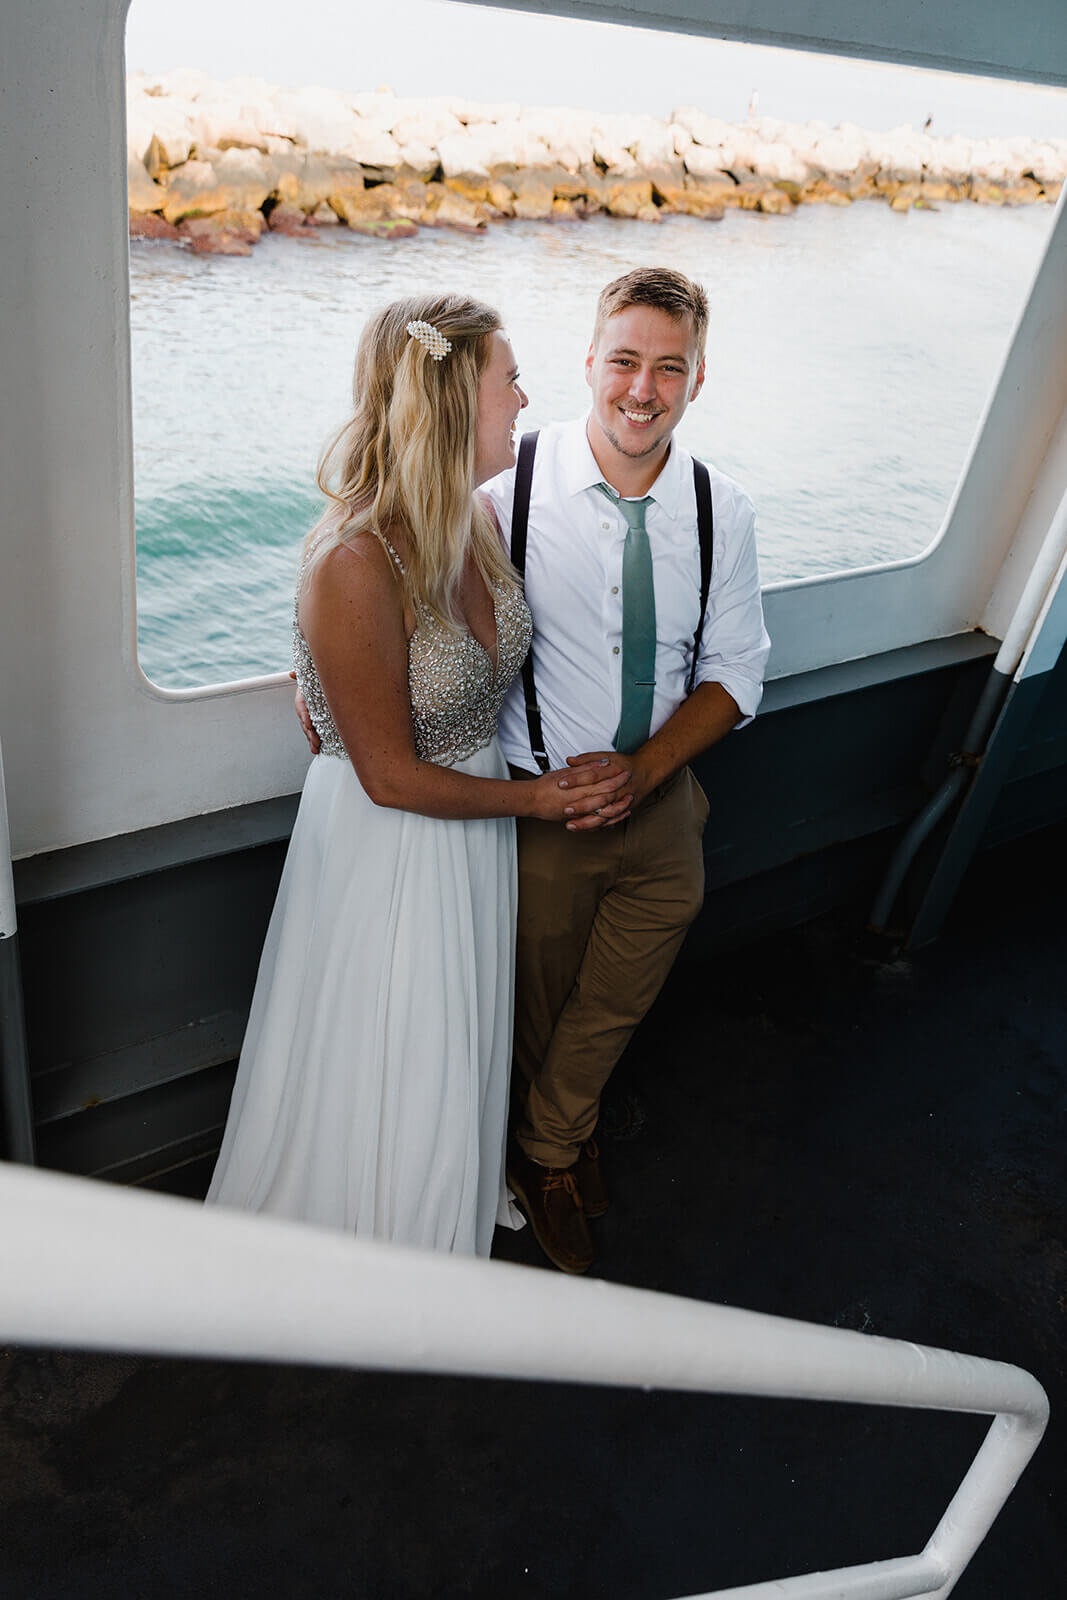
{"type": "Point", "coordinates": [492, 656]}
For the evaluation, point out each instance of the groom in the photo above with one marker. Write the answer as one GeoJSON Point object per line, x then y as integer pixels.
{"type": "Point", "coordinates": [649, 647]}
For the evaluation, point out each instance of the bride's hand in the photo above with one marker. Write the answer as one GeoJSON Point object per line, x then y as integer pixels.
{"type": "Point", "coordinates": [584, 791]}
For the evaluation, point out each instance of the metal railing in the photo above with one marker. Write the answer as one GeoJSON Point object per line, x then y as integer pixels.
{"type": "Point", "coordinates": [89, 1266]}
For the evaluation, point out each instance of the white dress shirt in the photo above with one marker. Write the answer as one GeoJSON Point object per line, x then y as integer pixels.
{"type": "Point", "coordinates": [574, 590]}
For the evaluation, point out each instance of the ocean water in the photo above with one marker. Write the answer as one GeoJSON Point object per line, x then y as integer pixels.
{"type": "Point", "coordinates": [850, 354]}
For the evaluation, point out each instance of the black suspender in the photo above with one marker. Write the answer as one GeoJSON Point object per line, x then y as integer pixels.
{"type": "Point", "coordinates": [705, 530]}
{"type": "Point", "coordinates": [520, 522]}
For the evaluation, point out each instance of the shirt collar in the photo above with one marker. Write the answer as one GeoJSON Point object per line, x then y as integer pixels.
{"type": "Point", "coordinates": [580, 470]}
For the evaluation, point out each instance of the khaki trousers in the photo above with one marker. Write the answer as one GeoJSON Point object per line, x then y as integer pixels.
{"type": "Point", "coordinates": [602, 916]}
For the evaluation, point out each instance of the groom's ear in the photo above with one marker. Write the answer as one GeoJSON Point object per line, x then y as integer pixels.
{"type": "Point", "coordinates": [589, 356]}
{"type": "Point", "coordinates": [698, 381]}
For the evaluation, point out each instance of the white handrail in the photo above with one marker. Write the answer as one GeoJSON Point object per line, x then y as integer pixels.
{"type": "Point", "coordinates": [91, 1266]}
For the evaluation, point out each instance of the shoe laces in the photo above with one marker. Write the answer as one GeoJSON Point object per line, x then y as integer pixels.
{"type": "Point", "coordinates": [561, 1178]}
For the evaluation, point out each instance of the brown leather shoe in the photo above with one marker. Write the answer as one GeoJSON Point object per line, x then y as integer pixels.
{"type": "Point", "coordinates": [550, 1198]}
{"type": "Point", "coordinates": [590, 1179]}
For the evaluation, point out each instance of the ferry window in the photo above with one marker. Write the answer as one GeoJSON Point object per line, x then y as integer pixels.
{"type": "Point", "coordinates": [863, 286]}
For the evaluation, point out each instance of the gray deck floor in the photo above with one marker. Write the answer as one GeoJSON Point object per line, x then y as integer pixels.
{"type": "Point", "coordinates": [795, 1131]}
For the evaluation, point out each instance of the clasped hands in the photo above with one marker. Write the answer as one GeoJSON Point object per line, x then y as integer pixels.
{"type": "Point", "coordinates": [607, 769]}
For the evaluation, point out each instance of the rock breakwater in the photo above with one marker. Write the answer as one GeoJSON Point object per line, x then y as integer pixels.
{"type": "Point", "coordinates": [218, 163]}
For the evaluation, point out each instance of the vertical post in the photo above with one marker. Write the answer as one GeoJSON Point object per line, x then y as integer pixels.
{"type": "Point", "coordinates": [16, 1108]}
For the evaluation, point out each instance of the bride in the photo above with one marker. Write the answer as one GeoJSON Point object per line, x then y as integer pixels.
{"type": "Point", "coordinates": [373, 1083]}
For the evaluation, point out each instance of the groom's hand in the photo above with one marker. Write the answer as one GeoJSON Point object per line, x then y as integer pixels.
{"type": "Point", "coordinates": [637, 787]}
{"type": "Point", "coordinates": [304, 716]}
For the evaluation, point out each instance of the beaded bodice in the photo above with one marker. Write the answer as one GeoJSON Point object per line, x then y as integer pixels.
{"type": "Point", "coordinates": [455, 693]}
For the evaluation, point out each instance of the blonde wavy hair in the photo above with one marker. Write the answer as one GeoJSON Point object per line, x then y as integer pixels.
{"type": "Point", "coordinates": [406, 457]}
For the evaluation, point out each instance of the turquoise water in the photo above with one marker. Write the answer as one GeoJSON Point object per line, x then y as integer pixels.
{"type": "Point", "coordinates": [850, 355]}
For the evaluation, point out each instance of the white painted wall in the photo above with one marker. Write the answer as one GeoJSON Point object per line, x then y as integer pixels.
{"type": "Point", "coordinates": [91, 748]}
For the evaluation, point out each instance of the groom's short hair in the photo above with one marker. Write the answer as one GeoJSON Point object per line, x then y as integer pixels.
{"type": "Point", "coordinates": [659, 287]}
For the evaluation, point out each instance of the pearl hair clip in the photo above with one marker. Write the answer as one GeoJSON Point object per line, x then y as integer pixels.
{"type": "Point", "coordinates": [428, 336]}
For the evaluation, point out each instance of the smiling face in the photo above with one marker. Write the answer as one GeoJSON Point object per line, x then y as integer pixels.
{"type": "Point", "coordinates": [500, 400]}
{"type": "Point", "coordinates": [643, 367]}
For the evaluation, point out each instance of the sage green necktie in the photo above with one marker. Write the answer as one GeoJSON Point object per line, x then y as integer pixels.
{"type": "Point", "coordinates": [638, 626]}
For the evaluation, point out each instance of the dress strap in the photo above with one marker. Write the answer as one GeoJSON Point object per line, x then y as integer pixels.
{"type": "Point", "coordinates": [390, 549]}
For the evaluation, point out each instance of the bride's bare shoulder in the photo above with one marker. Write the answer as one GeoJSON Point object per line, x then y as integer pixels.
{"type": "Point", "coordinates": [359, 564]}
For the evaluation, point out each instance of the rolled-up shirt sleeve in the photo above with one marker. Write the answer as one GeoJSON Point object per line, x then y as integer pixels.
{"type": "Point", "coordinates": [734, 645]}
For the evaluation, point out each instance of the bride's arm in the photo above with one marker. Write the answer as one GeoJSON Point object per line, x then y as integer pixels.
{"type": "Point", "coordinates": [352, 618]}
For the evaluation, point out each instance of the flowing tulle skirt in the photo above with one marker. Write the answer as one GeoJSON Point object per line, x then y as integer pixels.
{"type": "Point", "coordinates": [373, 1083]}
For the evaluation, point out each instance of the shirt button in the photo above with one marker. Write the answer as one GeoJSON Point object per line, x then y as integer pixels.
{"type": "Point", "coordinates": [606, 526]}
{"type": "Point", "coordinates": [614, 588]}
{"type": "Point", "coordinates": [614, 649]}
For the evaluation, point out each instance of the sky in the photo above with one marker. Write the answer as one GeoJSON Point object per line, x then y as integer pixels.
{"type": "Point", "coordinates": [435, 47]}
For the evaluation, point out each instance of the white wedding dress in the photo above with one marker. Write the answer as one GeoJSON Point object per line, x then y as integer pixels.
{"type": "Point", "coordinates": [372, 1090]}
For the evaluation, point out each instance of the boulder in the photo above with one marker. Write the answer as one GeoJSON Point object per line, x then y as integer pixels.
{"type": "Point", "coordinates": [372, 146]}
{"type": "Point", "coordinates": [839, 152]}
{"type": "Point", "coordinates": [218, 236]}
{"type": "Point", "coordinates": [826, 191]}
{"type": "Point", "coordinates": [1048, 161]}
{"type": "Point", "coordinates": [144, 195]}
{"type": "Point", "coordinates": [534, 194]}
{"type": "Point", "coordinates": [290, 220]}
{"type": "Point", "coordinates": [472, 185]}
{"type": "Point", "coordinates": [749, 193]}
{"type": "Point", "coordinates": [147, 225]}
{"type": "Point", "coordinates": [247, 178]}
{"type": "Point", "coordinates": [238, 180]}
{"type": "Point", "coordinates": [473, 151]}
{"type": "Point", "coordinates": [863, 183]}
{"type": "Point", "coordinates": [242, 224]}
{"type": "Point", "coordinates": [698, 202]}
{"type": "Point", "coordinates": [420, 160]}
{"type": "Point", "coordinates": [776, 201]}
{"type": "Point", "coordinates": [668, 184]}
{"type": "Point", "coordinates": [345, 185]}
{"type": "Point", "coordinates": [449, 210]}
{"type": "Point", "coordinates": [780, 164]}
{"type": "Point", "coordinates": [902, 152]}
{"type": "Point", "coordinates": [632, 197]}
{"type": "Point", "coordinates": [501, 198]}
{"type": "Point", "coordinates": [155, 162]}
{"type": "Point", "coordinates": [614, 139]}
{"type": "Point", "coordinates": [315, 119]}
{"type": "Point", "coordinates": [949, 159]}
{"type": "Point", "coordinates": [225, 123]}
{"type": "Point", "coordinates": [905, 195]}
{"type": "Point", "coordinates": [707, 194]}
{"type": "Point", "coordinates": [362, 205]}
{"type": "Point", "coordinates": [1023, 192]}
{"type": "Point", "coordinates": [934, 190]}
{"type": "Point", "coordinates": [565, 136]}
{"type": "Point", "coordinates": [655, 144]}
{"type": "Point", "coordinates": [407, 198]}
{"type": "Point", "coordinates": [701, 128]}
{"type": "Point", "coordinates": [150, 119]}
{"type": "Point", "coordinates": [193, 191]}
{"type": "Point", "coordinates": [309, 180]}
{"type": "Point", "coordinates": [702, 162]}
{"type": "Point", "coordinates": [428, 126]}
{"type": "Point", "coordinates": [386, 228]}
